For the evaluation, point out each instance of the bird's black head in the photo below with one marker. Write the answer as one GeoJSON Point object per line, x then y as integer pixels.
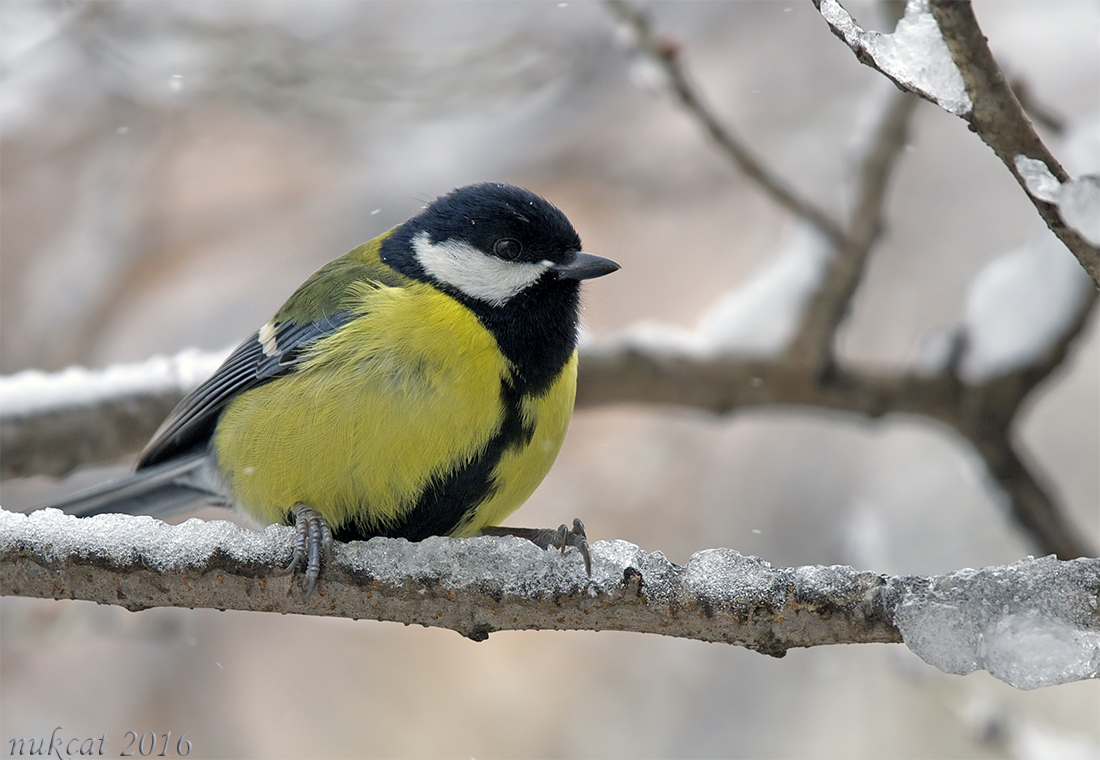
{"type": "Point", "coordinates": [489, 243]}
{"type": "Point", "coordinates": [512, 258]}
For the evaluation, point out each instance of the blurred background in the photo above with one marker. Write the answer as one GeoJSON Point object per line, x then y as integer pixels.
{"type": "Point", "coordinates": [170, 172]}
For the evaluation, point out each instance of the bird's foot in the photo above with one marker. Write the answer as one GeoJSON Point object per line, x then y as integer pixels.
{"type": "Point", "coordinates": [546, 538]}
{"type": "Point", "coordinates": [313, 540]}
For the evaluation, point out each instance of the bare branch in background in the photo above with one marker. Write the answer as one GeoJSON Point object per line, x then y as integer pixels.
{"type": "Point", "coordinates": [814, 343]}
{"type": "Point", "coordinates": [57, 442]}
{"type": "Point", "coordinates": [853, 240]}
{"type": "Point", "coordinates": [665, 54]}
{"type": "Point", "coordinates": [625, 371]}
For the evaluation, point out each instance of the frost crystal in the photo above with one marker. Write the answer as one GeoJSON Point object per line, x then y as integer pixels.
{"type": "Point", "coordinates": [915, 55]}
{"type": "Point", "coordinates": [1030, 624]}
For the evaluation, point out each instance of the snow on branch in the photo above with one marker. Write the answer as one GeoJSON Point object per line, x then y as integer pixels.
{"type": "Point", "coordinates": [915, 57]}
{"type": "Point", "coordinates": [52, 423]}
{"type": "Point", "coordinates": [1032, 623]}
{"type": "Point", "coordinates": [1078, 200]}
{"type": "Point", "coordinates": [938, 51]}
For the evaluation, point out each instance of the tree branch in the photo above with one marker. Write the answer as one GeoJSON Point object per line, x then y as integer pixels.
{"type": "Point", "coordinates": [623, 370]}
{"type": "Point", "coordinates": [813, 345]}
{"type": "Point", "coordinates": [478, 586]}
{"type": "Point", "coordinates": [474, 586]}
{"type": "Point", "coordinates": [1000, 121]}
{"type": "Point", "coordinates": [987, 102]}
{"type": "Point", "coordinates": [1030, 500]}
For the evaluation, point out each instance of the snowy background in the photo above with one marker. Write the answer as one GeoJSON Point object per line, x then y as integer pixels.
{"type": "Point", "coordinates": [171, 173]}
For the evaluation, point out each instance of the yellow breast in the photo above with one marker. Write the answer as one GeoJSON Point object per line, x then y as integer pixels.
{"type": "Point", "coordinates": [406, 393]}
{"type": "Point", "coordinates": [521, 469]}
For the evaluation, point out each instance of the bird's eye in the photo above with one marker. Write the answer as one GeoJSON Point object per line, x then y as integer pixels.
{"type": "Point", "coordinates": [507, 248]}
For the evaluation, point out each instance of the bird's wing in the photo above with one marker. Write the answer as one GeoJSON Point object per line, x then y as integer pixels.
{"type": "Point", "coordinates": [315, 310]}
{"type": "Point", "coordinates": [270, 352]}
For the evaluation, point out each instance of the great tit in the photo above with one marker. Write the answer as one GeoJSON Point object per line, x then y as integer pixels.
{"type": "Point", "coordinates": [419, 385]}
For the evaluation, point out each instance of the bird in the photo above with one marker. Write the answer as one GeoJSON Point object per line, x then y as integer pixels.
{"type": "Point", "coordinates": [419, 385]}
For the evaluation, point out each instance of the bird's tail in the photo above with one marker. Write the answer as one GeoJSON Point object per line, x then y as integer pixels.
{"type": "Point", "coordinates": [162, 490]}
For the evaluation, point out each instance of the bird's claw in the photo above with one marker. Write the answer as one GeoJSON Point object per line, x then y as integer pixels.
{"type": "Point", "coordinates": [545, 538]}
{"type": "Point", "coordinates": [565, 536]}
{"type": "Point", "coordinates": [312, 542]}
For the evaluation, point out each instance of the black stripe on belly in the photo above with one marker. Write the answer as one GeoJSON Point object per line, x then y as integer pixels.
{"type": "Point", "coordinates": [447, 500]}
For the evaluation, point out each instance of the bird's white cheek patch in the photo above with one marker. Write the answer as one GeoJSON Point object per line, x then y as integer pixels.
{"type": "Point", "coordinates": [478, 275]}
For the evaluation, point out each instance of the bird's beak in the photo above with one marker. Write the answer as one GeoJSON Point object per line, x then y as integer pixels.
{"type": "Point", "coordinates": [585, 266]}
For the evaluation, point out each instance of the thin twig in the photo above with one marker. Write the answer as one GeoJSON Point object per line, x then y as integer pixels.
{"type": "Point", "coordinates": [667, 57]}
{"type": "Point", "coordinates": [814, 343]}
{"type": "Point", "coordinates": [1030, 499]}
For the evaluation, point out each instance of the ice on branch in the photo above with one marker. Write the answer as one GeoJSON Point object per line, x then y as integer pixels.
{"type": "Point", "coordinates": [33, 392]}
{"type": "Point", "coordinates": [1019, 305]}
{"type": "Point", "coordinates": [915, 56]}
{"type": "Point", "coordinates": [1038, 178]}
{"type": "Point", "coordinates": [1029, 624]}
{"type": "Point", "coordinates": [1078, 200]}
